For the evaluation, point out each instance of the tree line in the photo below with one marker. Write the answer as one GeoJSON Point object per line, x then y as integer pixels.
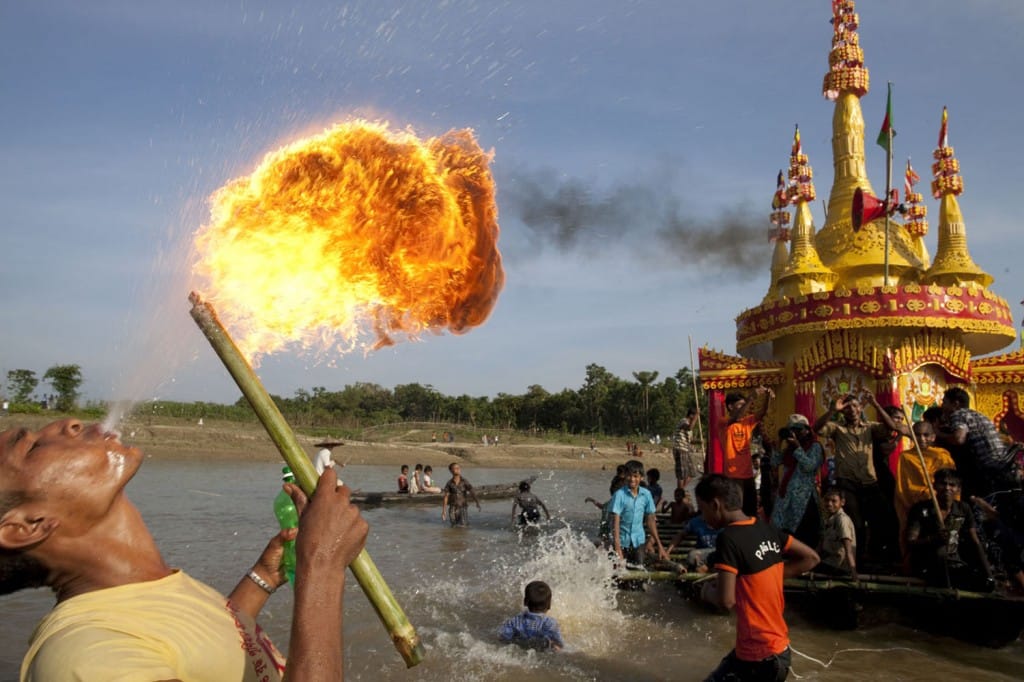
{"type": "Point", "coordinates": [65, 380]}
{"type": "Point", "coordinates": [605, 405]}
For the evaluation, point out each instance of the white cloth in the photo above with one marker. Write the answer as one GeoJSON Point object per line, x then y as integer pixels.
{"type": "Point", "coordinates": [323, 460]}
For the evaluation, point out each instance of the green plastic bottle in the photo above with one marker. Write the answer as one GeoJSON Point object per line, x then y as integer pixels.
{"type": "Point", "coordinates": [288, 517]}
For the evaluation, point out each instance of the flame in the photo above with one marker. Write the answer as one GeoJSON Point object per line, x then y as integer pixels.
{"type": "Point", "coordinates": [352, 236]}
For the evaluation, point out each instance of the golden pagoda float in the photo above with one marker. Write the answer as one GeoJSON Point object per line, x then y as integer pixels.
{"type": "Point", "coordinates": [856, 310]}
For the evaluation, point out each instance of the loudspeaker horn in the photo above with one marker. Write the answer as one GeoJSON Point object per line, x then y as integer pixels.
{"type": "Point", "coordinates": [866, 207]}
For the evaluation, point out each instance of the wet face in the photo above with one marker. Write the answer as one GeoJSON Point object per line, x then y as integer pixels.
{"type": "Point", "coordinates": [456, 470]}
{"type": "Point", "coordinates": [833, 503]}
{"type": "Point", "coordinates": [852, 410]}
{"type": "Point", "coordinates": [77, 470]}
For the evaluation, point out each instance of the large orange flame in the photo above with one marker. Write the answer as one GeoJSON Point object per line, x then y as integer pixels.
{"type": "Point", "coordinates": [351, 237]}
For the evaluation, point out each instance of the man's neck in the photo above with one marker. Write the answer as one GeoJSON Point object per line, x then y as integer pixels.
{"type": "Point", "coordinates": [735, 516]}
{"type": "Point", "coordinates": [118, 551]}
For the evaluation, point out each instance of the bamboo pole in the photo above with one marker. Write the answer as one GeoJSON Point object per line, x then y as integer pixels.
{"type": "Point", "coordinates": [696, 397]}
{"type": "Point", "coordinates": [403, 634]}
{"type": "Point", "coordinates": [924, 467]}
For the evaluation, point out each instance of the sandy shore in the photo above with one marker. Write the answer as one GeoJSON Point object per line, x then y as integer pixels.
{"type": "Point", "coordinates": [172, 439]}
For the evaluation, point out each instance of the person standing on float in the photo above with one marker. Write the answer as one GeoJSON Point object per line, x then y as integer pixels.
{"type": "Point", "coordinates": [736, 434]}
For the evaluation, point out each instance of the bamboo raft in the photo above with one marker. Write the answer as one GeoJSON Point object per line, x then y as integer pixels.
{"type": "Point", "coordinates": [991, 619]}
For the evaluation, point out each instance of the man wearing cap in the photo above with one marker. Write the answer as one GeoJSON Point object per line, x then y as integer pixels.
{"type": "Point", "coordinates": [323, 458]}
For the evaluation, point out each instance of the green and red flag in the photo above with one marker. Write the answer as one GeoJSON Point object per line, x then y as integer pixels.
{"type": "Point", "coordinates": [887, 132]}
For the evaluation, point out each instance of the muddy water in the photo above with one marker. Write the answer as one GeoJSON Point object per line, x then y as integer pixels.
{"type": "Point", "coordinates": [458, 585]}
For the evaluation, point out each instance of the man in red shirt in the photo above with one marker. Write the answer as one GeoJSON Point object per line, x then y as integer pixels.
{"type": "Point", "coordinates": [751, 559]}
{"type": "Point", "coordinates": [736, 433]}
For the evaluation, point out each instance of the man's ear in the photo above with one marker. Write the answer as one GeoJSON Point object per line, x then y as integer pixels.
{"type": "Point", "coordinates": [22, 527]}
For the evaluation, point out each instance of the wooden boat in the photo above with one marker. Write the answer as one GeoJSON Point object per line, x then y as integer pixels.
{"type": "Point", "coordinates": [497, 491]}
{"type": "Point", "coordinates": [992, 619]}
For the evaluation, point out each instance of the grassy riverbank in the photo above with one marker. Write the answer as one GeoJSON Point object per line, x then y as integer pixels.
{"type": "Point", "coordinates": [168, 438]}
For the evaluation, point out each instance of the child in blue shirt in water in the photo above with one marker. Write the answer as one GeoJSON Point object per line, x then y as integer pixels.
{"type": "Point", "coordinates": [533, 627]}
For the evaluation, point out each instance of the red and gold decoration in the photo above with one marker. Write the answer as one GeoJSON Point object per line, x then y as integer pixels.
{"type": "Point", "coordinates": [914, 211]}
{"type": "Point", "coordinates": [869, 310]}
{"type": "Point", "coordinates": [780, 216]}
{"type": "Point", "coordinates": [953, 263]}
{"type": "Point", "coordinates": [946, 169]}
{"type": "Point", "coordinates": [804, 272]}
{"type": "Point", "coordinates": [846, 72]}
{"type": "Point", "coordinates": [801, 176]}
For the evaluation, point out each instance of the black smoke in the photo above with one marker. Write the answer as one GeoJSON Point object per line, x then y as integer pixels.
{"type": "Point", "coordinates": [644, 219]}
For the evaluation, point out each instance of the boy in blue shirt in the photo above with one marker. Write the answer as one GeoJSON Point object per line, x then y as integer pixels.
{"type": "Point", "coordinates": [631, 505]}
{"type": "Point", "coordinates": [533, 627]}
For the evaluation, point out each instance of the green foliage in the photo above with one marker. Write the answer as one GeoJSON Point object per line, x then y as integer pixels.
{"type": "Point", "coordinates": [26, 408]}
{"type": "Point", "coordinates": [605, 406]}
{"type": "Point", "coordinates": [65, 380]}
{"type": "Point", "coordinates": [22, 383]}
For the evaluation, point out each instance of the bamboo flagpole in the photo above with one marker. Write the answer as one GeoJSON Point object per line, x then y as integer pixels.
{"type": "Point", "coordinates": [696, 397]}
{"type": "Point", "coordinates": [885, 141]}
{"type": "Point", "coordinates": [403, 634]}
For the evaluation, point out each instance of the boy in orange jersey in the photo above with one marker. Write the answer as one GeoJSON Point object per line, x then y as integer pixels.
{"type": "Point", "coordinates": [751, 560]}
{"type": "Point", "coordinates": [737, 431]}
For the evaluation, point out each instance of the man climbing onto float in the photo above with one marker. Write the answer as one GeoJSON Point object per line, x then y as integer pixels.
{"type": "Point", "coordinates": [982, 458]}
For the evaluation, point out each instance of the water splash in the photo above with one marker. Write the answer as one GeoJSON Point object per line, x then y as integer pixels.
{"type": "Point", "coordinates": [116, 412]}
{"type": "Point", "coordinates": [584, 602]}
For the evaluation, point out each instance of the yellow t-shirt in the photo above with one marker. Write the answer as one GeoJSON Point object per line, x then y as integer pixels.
{"type": "Point", "coordinates": [912, 480]}
{"type": "Point", "coordinates": [172, 628]}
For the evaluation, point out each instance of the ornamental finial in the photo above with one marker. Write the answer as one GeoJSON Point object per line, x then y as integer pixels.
{"type": "Point", "coordinates": [846, 59]}
{"type": "Point", "coordinates": [915, 221]}
{"type": "Point", "coordinates": [946, 168]}
{"type": "Point", "coordinates": [780, 216]}
{"type": "Point", "coordinates": [801, 176]}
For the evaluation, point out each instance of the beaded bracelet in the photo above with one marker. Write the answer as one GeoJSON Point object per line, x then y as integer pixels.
{"type": "Point", "coordinates": [267, 587]}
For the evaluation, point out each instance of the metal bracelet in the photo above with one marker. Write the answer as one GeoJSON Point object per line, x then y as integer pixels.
{"type": "Point", "coordinates": [267, 587]}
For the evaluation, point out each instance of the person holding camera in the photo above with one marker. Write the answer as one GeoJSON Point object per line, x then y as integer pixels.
{"type": "Point", "coordinates": [800, 455]}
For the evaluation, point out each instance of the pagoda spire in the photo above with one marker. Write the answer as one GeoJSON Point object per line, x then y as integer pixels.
{"type": "Point", "coordinates": [804, 272]}
{"type": "Point", "coordinates": [779, 235]}
{"type": "Point", "coordinates": [953, 263]}
{"type": "Point", "coordinates": [858, 259]}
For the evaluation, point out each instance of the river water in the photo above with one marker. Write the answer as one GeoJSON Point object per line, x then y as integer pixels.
{"type": "Point", "coordinates": [458, 585]}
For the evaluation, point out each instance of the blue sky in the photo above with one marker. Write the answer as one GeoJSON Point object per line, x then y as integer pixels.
{"type": "Point", "coordinates": [118, 118]}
